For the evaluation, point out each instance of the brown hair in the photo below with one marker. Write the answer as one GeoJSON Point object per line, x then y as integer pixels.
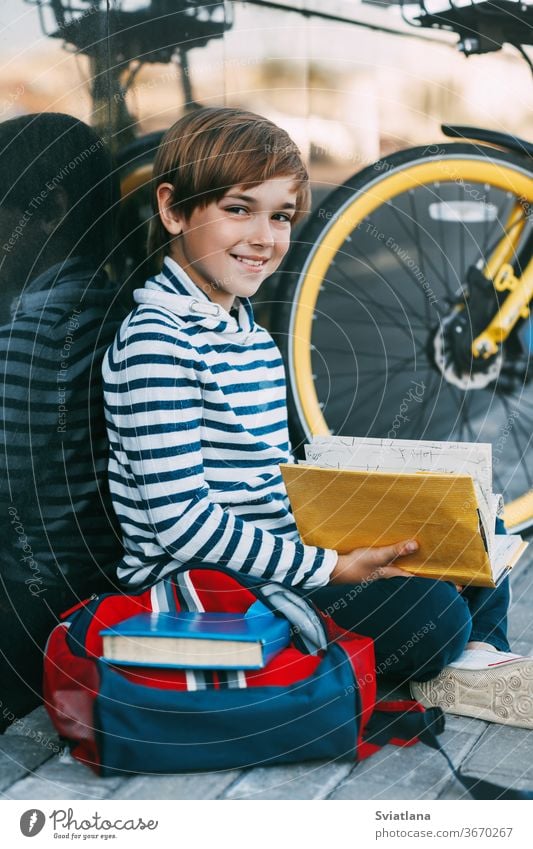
{"type": "Point", "coordinates": [213, 148]}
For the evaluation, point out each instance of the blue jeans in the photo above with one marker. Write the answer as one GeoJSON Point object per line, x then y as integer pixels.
{"type": "Point", "coordinates": [418, 625]}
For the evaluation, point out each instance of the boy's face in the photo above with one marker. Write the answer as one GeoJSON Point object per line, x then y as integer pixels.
{"type": "Point", "coordinates": [229, 247]}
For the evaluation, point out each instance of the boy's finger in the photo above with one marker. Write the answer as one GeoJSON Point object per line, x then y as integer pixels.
{"type": "Point", "coordinates": [408, 547]}
{"type": "Point", "coordinates": [390, 572]}
{"type": "Point", "coordinates": [395, 571]}
{"type": "Point", "coordinates": [389, 553]}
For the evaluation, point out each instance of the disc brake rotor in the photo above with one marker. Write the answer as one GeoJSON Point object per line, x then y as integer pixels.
{"type": "Point", "coordinates": [479, 376]}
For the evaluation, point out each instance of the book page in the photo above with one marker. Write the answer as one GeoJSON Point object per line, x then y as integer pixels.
{"type": "Point", "coordinates": [412, 455]}
{"type": "Point", "coordinates": [497, 505]}
{"type": "Point", "coordinates": [405, 455]}
{"type": "Point", "coordinates": [504, 555]}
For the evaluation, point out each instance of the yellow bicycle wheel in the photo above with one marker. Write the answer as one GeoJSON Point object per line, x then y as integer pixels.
{"type": "Point", "coordinates": [383, 293]}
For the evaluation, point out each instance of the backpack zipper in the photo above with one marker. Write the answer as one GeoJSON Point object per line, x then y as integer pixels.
{"type": "Point", "coordinates": [78, 606]}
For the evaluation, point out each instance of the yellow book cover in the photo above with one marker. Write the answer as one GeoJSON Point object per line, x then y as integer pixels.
{"type": "Point", "coordinates": [345, 509]}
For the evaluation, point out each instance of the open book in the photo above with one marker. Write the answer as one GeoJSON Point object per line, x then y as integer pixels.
{"type": "Point", "coordinates": [353, 492]}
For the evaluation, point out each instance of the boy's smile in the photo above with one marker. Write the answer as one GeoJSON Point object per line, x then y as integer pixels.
{"type": "Point", "coordinates": [230, 246]}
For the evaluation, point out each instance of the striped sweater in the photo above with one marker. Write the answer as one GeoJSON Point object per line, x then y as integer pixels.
{"type": "Point", "coordinates": [195, 406]}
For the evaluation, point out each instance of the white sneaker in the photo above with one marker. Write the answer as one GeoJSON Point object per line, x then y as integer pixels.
{"type": "Point", "coordinates": [491, 685]}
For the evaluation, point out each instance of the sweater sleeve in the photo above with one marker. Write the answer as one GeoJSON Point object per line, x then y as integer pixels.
{"type": "Point", "coordinates": [155, 433]}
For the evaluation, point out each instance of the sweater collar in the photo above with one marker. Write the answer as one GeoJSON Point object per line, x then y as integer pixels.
{"type": "Point", "coordinates": [174, 290]}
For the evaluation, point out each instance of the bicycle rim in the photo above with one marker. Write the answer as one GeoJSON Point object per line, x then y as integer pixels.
{"type": "Point", "coordinates": [371, 281]}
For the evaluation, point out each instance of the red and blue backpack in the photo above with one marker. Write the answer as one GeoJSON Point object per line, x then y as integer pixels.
{"type": "Point", "coordinates": [316, 699]}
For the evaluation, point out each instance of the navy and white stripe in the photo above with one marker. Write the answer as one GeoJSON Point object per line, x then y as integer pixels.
{"type": "Point", "coordinates": [195, 404]}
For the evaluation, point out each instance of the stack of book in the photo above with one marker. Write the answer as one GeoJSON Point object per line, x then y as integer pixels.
{"type": "Point", "coordinates": [197, 640]}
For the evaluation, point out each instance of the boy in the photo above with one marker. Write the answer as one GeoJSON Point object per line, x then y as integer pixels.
{"type": "Point", "coordinates": [196, 404]}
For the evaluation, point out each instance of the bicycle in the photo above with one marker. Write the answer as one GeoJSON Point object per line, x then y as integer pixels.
{"type": "Point", "coordinates": [403, 307]}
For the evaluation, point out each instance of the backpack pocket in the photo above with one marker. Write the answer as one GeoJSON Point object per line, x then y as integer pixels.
{"type": "Point", "coordinates": [142, 729]}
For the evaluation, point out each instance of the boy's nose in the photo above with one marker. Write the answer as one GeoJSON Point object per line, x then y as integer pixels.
{"type": "Point", "coordinates": [261, 233]}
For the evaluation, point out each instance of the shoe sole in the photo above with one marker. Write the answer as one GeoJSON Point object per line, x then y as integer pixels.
{"type": "Point", "coordinates": [501, 694]}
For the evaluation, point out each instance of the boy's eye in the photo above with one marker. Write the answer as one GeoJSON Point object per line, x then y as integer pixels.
{"type": "Point", "coordinates": [278, 216]}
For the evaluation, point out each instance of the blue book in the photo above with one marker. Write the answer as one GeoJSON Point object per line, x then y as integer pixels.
{"type": "Point", "coordinates": [198, 640]}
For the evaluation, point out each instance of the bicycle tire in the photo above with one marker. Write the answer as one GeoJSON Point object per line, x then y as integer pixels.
{"type": "Point", "coordinates": [348, 305]}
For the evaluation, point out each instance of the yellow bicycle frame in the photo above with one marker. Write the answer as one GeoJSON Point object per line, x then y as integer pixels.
{"type": "Point", "coordinates": [500, 271]}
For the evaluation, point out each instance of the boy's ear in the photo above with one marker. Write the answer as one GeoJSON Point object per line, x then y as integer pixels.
{"type": "Point", "coordinates": [171, 219]}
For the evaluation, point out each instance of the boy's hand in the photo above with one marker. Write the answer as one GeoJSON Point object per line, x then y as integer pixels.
{"type": "Point", "coordinates": [369, 564]}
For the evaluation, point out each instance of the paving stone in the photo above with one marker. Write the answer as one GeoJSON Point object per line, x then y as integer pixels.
{"type": "Point", "coordinates": [311, 780]}
{"type": "Point", "coordinates": [453, 789]}
{"type": "Point", "coordinates": [36, 725]}
{"type": "Point", "coordinates": [524, 646]}
{"type": "Point", "coordinates": [63, 778]}
{"type": "Point", "coordinates": [520, 624]}
{"type": "Point", "coordinates": [19, 756]}
{"type": "Point", "coordinates": [503, 755]}
{"type": "Point", "coordinates": [416, 772]}
{"type": "Point", "coordinates": [198, 785]}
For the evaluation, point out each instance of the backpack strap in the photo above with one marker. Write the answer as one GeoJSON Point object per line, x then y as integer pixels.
{"type": "Point", "coordinates": [164, 598]}
{"type": "Point", "coordinates": [216, 587]}
{"type": "Point", "coordinates": [360, 653]}
{"type": "Point", "coordinates": [406, 722]}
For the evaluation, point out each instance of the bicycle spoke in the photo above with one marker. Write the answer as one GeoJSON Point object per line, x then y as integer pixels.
{"type": "Point", "coordinates": [429, 376]}
{"type": "Point", "coordinates": [524, 430]}
{"type": "Point", "coordinates": [414, 217]}
{"type": "Point", "coordinates": [376, 323]}
{"type": "Point", "coordinates": [500, 225]}
{"type": "Point", "coordinates": [389, 375]}
{"type": "Point", "coordinates": [401, 298]}
{"type": "Point", "coordinates": [373, 369]}
{"type": "Point", "coordinates": [345, 375]}
{"type": "Point", "coordinates": [465, 407]}
{"type": "Point", "coordinates": [516, 425]}
{"type": "Point", "coordinates": [406, 230]}
{"type": "Point", "coordinates": [464, 421]}
{"type": "Point", "coordinates": [486, 224]}
{"type": "Point", "coordinates": [348, 322]}
{"type": "Point", "coordinates": [386, 310]}
{"type": "Point", "coordinates": [445, 265]}
{"type": "Point", "coordinates": [364, 258]}
{"type": "Point", "coordinates": [383, 307]}
{"type": "Point", "coordinates": [362, 353]}
{"type": "Point", "coordinates": [358, 299]}
{"type": "Point", "coordinates": [351, 372]}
